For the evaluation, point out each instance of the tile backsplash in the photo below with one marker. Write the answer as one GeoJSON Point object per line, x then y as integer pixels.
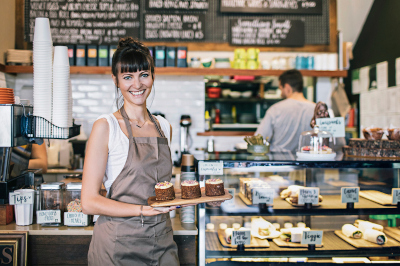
{"type": "Point", "coordinates": [94, 95]}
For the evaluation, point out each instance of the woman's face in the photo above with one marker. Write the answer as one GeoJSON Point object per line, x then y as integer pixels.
{"type": "Point", "coordinates": [135, 86]}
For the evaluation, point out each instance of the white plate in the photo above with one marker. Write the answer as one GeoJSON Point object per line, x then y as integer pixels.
{"type": "Point", "coordinates": [271, 236]}
{"type": "Point", "coordinates": [315, 157]}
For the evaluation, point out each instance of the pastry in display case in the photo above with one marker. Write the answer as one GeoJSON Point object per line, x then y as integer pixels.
{"type": "Point", "coordinates": [362, 230]}
{"type": "Point", "coordinates": [316, 144]}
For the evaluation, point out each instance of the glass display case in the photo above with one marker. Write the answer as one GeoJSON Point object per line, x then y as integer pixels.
{"type": "Point", "coordinates": [276, 227]}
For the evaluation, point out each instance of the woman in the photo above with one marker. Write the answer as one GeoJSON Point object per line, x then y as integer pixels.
{"type": "Point", "coordinates": [128, 151]}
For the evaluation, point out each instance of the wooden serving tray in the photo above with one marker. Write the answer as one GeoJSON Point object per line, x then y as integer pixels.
{"type": "Point", "coordinates": [284, 244]}
{"type": "Point", "coordinates": [179, 201]}
{"type": "Point", "coordinates": [254, 242]}
{"type": "Point", "coordinates": [362, 243]}
{"type": "Point", "coordinates": [377, 196]}
{"type": "Point", "coordinates": [392, 232]}
{"type": "Point", "coordinates": [299, 205]}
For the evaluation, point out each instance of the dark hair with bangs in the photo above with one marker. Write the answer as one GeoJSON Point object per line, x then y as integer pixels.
{"type": "Point", "coordinates": [294, 78]}
{"type": "Point", "coordinates": [130, 56]}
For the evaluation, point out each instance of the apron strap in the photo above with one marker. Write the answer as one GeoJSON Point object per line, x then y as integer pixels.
{"type": "Point", "coordinates": [156, 123]}
{"type": "Point", "coordinates": [127, 124]}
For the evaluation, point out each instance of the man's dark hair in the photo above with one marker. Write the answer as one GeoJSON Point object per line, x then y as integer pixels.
{"type": "Point", "coordinates": [294, 78]}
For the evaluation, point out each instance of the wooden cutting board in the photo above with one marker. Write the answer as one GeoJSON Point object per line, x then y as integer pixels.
{"type": "Point", "coordinates": [377, 196]}
{"type": "Point", "coordinates": [179, 201]}
{"type": "Point", "coordinates": [247, 201]}
{"type": "Point", "coordinates": [362, 243]}
{"type": "Point", "coordinates": [284, 244]}
{"type": "Point", "coordinates": [299, 205]}
{"type": "Point", "coordinates": [254, 242]}
{"type": "Point", "coordinates": [392, 232]}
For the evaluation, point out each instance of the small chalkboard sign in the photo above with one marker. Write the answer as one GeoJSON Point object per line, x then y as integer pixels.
{"type": "Point", "coordinates": [174, 27]}
{"type": "Point", "coordinates": [85, 21]}
{"type": "Point", "coordinates": [266, 32]}
{"type": "Point", "coordinates": [272, 6]}
{"type": "Point", "coordinates": [177, 5]}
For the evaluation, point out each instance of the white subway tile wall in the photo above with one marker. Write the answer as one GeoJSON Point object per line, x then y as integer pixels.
{"type": "Point", "coordinates": [94, 95]}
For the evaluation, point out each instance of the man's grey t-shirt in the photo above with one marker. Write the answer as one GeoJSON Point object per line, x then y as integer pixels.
{"type": "Point", "coordinates": [284, 122]}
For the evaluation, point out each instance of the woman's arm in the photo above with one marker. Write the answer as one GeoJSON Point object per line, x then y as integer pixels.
{"type": "Point", "coordinates": [38, 158]}
{"type": "Point", "coordinates": [93, 173]}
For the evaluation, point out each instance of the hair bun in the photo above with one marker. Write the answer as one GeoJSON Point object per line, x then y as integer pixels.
{"type": "Point", "coordinates": [129, 42]}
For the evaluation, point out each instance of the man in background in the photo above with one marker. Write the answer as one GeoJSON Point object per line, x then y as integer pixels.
{"type": "Point", "coordinates": [286, 120]}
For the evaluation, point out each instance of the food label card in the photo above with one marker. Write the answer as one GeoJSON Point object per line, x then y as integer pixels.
{"type": "Point", "coordinates": [263, 195]}
{"type": "Point", "coordinates": [231, 201]}
{"type": "Point", "coordinates": [241, 237]}
{"type": "Point", "coordinates": [311, 238]}
{"type": "Point", "coordinates": [334, 125]}
{"type": "Point", "coordinates": [75, 219]}
{"type": "Point", "coordinates": [48, 216]}
{"type": "Point", "coordinates": [20, 198]}
{"type": "Point", "coordinates": [309, 195]}
{"type": "Point", "coordinates": [211, 168]}
{"type": "Point", "coordinates": [396, 195]}
{"type": "Point", "coordinates": [350, 194]}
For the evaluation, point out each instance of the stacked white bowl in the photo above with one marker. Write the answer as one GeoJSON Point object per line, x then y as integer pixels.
{"type": "Point", "coordinates": [61, 88]}
{"type": "Point", "coordinates": [42, 69]}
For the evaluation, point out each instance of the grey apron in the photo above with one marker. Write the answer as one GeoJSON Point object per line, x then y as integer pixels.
{"type": "Point", "coordinates": [123, 240]}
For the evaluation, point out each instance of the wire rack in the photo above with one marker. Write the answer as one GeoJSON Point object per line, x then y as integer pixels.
{"type": "Point", "coordinates": [39, 127]}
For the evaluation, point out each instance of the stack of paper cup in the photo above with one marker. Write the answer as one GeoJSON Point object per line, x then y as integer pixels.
{"type": "Point", "coordinates": [42, 69]}
{"type": "Point", "coordinates": [24, 212]}
{"type": "Point", "coordinates": [61, 87]}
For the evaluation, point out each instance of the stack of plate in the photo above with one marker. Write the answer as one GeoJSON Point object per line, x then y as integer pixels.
{"type": "Point", "coordinates": [6, 96]}
{"type": "Point", "coordinates": [42, 69]}
{"type": "Point", "coordinates": [61, 88]}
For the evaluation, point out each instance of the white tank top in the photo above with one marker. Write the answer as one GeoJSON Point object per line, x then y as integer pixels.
{"type": "Point", "coordinates": [118, 147]}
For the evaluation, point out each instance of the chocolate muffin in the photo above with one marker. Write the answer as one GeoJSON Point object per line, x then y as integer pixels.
{"type": "Point", "coordinates": [190, 189]}
{"type": "Point", "coordinates": [165, 191]}
{"type": "Point", "coordinates": [215, 187]}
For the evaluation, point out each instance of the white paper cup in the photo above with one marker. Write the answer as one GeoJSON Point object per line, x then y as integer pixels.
{"type": "Point", "coordinates": [61, 56]}
{"type": "Point", "coordinates": [24, 212]}
{"type": "Point", "coordinates": [42, 30]}
{"type": "Point", "coordinates": [332, 62]}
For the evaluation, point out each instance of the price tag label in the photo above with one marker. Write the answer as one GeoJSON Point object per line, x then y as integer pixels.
{"type": "Point", "coordinates": [48, 216]}
{"type": "Point", "coordinates": [263, 195]}
{"type": "Point", "coordinates": [241, 237]}
{"type": "Point", "coordinates": [396, 195]}
{"type": "Point", "coordinates": [335, 126]}
{"type": "Point", "coordinates": [350, 194]}
{"type": "Point", "coordinates": [311, 238]}
{"type": "Point", "coordinates": [309, 195]}
{"type": "Point", "coordinates": [76, 219]}
{"type": "Point", "coordinates": [20, 198]}
{"type": "Point", "coordinates": [211, 168]}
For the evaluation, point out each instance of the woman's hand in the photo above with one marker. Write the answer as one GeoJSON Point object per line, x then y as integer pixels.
{"type": "Point", "coordinates": [150, 211]}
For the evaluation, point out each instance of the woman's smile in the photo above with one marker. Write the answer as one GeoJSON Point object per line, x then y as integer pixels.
{"type": "Point", "coordinates": [137, 93]}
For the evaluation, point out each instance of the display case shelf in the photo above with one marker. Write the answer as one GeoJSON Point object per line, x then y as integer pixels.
{"type": "Point", "coordinates": [185, 71]}
{"type": "Point", "coordinates": [333, 246]}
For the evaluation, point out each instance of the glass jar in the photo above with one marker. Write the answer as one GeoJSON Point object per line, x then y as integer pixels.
{"type": "Point", "coordinates": [51, 204]}
{"type": "Point", "coordinates": [73, 215]}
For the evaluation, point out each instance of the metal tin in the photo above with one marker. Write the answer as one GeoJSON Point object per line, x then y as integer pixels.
{"type": "Point", "coordinates": [74, 186]}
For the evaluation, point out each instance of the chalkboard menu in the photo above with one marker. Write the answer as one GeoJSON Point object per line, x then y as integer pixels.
{"type": "Point", "coordinates": [177, 4]}
{"type": "Point", "coordinates": [266, 32]}
{"type": "Point", "coordinates": [174, 27]}
{"type": "Point", "coordinates": [272, 6]}
{"type": "Point", "coordinates": [85, 21]}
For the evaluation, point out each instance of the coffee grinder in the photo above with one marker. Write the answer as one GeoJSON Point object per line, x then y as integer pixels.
{"type": "Point", "coordinates": [185, 139]}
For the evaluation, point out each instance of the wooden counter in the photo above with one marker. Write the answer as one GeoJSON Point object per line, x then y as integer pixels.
{"type": "Point", "coordinates": [69, 245]}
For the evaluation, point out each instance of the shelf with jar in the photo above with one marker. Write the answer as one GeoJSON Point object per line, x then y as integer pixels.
{"type": "Point", "coordinates": [276, 229]}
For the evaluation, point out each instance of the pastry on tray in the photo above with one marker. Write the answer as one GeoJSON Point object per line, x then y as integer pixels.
{"type": "Point", "coordinates": [350, 230]}
{"type": "Point", "coordinates": [215, 187]}
{"type": "Point", "coordinates": [190, 189]}
{"type": "Point", "coordinates": [292, 192]}
{"type": "Point", "coordinates": [165, 191]}
{"type": "Point", "coordinates": [293, 234]}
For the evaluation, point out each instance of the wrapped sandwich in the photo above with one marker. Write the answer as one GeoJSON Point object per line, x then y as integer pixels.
{"type": "Point", "coordinates": [292, 192]}
{"type": "Point", "coordinates": [262, 227]}
{"type": "Point", "coordinates": [375, 236]}
{"type": "Point", "coordinates": [293, 234]}
{"type": "Point", "coordinates": [364, 225]}
{"type": "Point", "coordinates": [350, 230]}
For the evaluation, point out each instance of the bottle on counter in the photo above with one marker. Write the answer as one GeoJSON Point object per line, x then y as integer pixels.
{"type": "Point", "coordinates": [217, 116]}
{"type": "Point", "coordinates": [234, 116]}
{"type": "Point", "coordinates": [207, 119]}
{"type": "Point", "coordinates": [187, 214]}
